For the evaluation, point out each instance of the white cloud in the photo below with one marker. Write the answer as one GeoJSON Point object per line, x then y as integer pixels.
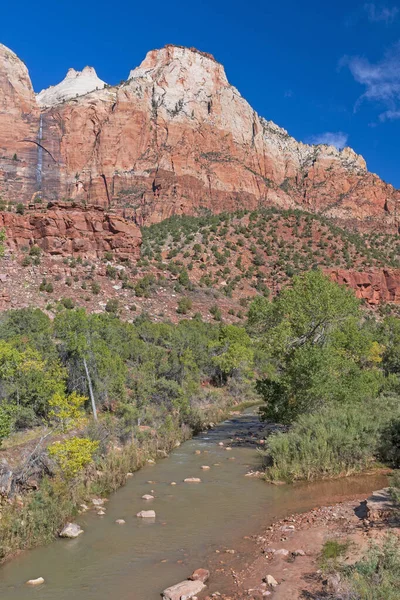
{"type": "Point", "coordinates": [381, 14]}
{"type": "Point", "coordinates": [381, 80]}
{"type": "Point", "coordinates": [337, 139]}
{"type": "Point", "coordinates": [389, 115]}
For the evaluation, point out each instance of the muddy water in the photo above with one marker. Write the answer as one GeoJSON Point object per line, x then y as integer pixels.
{"type": "Point", "coordinates": [125, 562]}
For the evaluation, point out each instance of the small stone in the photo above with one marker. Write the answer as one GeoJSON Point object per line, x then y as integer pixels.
{"type": "Point", "coordinates": [120, 522]}
{"type": "Point", "coordinates": [129, 474]}
{"type": "Point", "coordinates": [200, 575]}
{"type": "Point", "coordinates": [151, 461]}
{"type": "Point", "coordinates": [146, 514]}
{"type": "Point", "coordinates": [271, 581]}
{"type": "Point", "coordinates": [101, 513]}
{"type": "Point", "coordinates": [205, 467]}
{"type": "Point", "coordinates": [37, 581]}
{"type": "Point", "coordinates": [299, 553]}
{"type": "Point", "coordinates": [228, 448]}
{"type": "Point", "coordinates": [147, 497]}
{"type": "Point", "coordinates": [197, 451]}
{"type": "Point", "coordinates": [192, 480]}
{"type": "Point", "coordinates": [220, 443]}
{"type": "Point", "coordinates": [230, 551]}
{"type": "Point", "coordinates": [71, 530]}
{"type": "Point", "coordinates": [282, 552]}
{"type": "Point", "coordinates": [173, 483]}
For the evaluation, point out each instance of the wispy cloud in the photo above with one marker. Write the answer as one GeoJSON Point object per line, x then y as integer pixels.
{"type": "Point", "coordinates": [337, 139]}
{"type": "Point", "coordinates": [380, 14]}
{"type": "Point", "coordinates": [381, 80]}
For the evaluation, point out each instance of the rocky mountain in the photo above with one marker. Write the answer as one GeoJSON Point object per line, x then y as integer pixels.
{"type": "Point", "coordinates": [76, 83]}
{"type": "Point", "coordinates": [175, 138]}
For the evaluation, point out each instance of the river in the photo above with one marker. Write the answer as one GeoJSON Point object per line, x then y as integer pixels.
{"type": "Point", "coordinates": [136, 561]}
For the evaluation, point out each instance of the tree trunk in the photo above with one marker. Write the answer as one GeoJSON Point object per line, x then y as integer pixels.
{"type": "Point", "coordinates": [90, 389]}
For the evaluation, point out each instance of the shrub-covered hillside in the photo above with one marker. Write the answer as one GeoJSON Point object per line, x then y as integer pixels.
{"type": "Point", "coordinates": [247, 253]}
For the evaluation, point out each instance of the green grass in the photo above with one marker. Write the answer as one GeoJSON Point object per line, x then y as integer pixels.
{"type": "Point", "coordinates": [331, 554]}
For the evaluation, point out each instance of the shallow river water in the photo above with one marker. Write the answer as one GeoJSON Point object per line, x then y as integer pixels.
{"type": "Point", "coordinates": [124, 562]}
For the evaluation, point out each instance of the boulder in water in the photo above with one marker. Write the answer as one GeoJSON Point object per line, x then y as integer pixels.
{"type": "Point", "coordinates": [37, 581]}
{"type": "Point", "coordinates": [192, 480]}
{"type": "Point", "coordinates": [71, 530]}
{"type": "Point", "coordinates": [146, 514]}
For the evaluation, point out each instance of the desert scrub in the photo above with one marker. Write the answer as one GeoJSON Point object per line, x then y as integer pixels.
{"type": "Point", "coordinates": [339, 440]}
{"type": "Point", "coordinates": [377, 575]}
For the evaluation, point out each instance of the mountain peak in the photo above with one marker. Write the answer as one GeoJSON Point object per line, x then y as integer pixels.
{"type": "Point", "coordinates": [179, 59]}
{"type": "Point", "coordinates": [75, 83]}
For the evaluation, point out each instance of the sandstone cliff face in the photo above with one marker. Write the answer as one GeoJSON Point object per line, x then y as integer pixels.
{"type": "Point", "coordinates": [19, 120]}
{"type": "Point", "coordinates": [374, 286]}
{"type": "Point", "coordinates": [72, 231]}
{"type": "Point", "coordinates": [178, 138]}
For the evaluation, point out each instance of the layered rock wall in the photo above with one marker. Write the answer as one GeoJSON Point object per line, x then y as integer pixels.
{"type": "Point", "coordinates": [176, 138]}
{"type": "Point", "coordinates": [72, 231]}
{"type": "Point", "coordinates": [375, 286]}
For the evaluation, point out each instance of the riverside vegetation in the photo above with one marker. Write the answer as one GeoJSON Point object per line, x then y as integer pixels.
{"type": "Point", "coordinates": [105, 395]}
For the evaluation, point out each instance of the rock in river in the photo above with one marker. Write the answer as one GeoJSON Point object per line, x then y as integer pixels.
{"type": "Point", "coordinates": [146, 514]}
{"type": "Point", "coordinates": [192, 480]}
{"type": "Point", "coordinates": [71, 530]}
{"type": "Point", "coordinates": [148, 497]}
{"type": "Point", "coordinates": [37, 581]}
{"type": "Point", "coordinates": [185, 589]}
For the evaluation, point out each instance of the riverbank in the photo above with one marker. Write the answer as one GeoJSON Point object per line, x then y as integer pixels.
{"type": "Point", "coordinates": [290, 558]}
{"type": "Point", "coordinates": [35, 517]}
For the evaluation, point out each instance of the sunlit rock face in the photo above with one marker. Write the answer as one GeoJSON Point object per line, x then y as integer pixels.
{"type": "Point", "coordinates": [19, 121]}
{"type": "Point", "coordinates": [76, 83]}
{"type": "Point", "coordinates": [175, 138]}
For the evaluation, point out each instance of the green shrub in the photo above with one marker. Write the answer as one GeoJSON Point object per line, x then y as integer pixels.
{"type": "Point", "coordinates": [216, 312]}
{"type": "Point", "coordinates": [73, 455]}
{"type": "Point", "coordinates": [332, 551]}
{"type": "Point", "coordinates": [67, 303]}
{"type": "Point", "coordinates": [95, 288]}
{"type": "Point", "coordinates": [338, 440]}
{"type": "Point", "coordinates": [377, 575]}
{"type": "Point", "coordinates": [184, 306]}
{"type": "Point", "coordinates": [35, 251]}
{"type": "Point", "coordinates": [112, 306]}
{"type": "Point", "coordinates": [390, 446]}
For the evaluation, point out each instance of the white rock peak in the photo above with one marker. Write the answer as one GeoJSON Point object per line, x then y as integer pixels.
{"type": "Point", "coordinates": [76, 83]}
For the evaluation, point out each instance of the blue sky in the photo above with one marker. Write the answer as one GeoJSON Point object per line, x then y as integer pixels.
{"type": "Point", "coordinates": [322, 70]}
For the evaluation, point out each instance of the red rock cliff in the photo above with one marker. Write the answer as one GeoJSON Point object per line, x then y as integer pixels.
{"type": "Point", "coordinates": [67, 230]}
{"type": "Point", "coordinates": [374, 286]}
{"type": "Point", "coordinates": [175, 138]}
